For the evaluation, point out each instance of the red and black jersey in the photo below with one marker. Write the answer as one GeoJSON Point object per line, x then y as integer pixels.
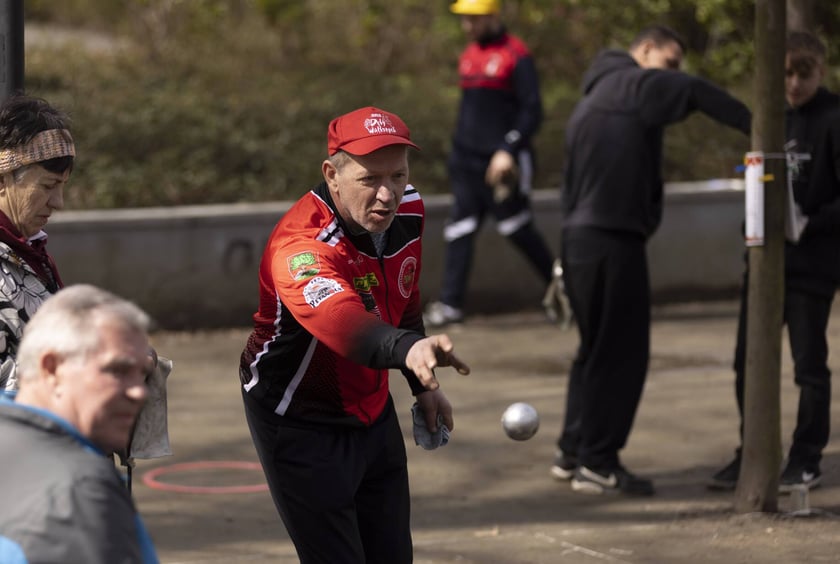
{"type": "Point", "coordinates": [501, 106]}
{"type": "Point", "coordinates": [334, 316]}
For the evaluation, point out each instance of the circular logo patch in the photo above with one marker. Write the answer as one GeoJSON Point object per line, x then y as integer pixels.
{"type": "Point", "coordinates": [407, 272]}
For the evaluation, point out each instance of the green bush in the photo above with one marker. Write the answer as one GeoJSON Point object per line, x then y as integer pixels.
{"type": "Point", "coordinates": [214, 101]}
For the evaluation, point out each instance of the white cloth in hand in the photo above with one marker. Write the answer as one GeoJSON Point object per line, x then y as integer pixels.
{"type": "Point", "coordinates": [151, 436]}
{"type": "Point", "coordinates": [422, 435]}
{"type": "Point", "coordinates": [556, 302]}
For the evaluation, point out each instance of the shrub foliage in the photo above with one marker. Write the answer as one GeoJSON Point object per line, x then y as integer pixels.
{"type": "Point", "coordinates": [211, 101]}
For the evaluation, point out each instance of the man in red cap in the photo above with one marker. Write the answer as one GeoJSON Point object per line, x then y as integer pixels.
{"type": "Point", "coordinates": [339, 306]}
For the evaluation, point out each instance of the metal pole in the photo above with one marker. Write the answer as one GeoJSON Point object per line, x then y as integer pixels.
{"type": "Point", "coordinates": [11, 47]}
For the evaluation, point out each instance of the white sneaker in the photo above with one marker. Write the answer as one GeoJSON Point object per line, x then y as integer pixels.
{"type": "Point", "coordinates": [616, 480]}
{"type": "Point", "coordinates": [564, 466]}
{"type": "Point", "coordinates": [438, 314]}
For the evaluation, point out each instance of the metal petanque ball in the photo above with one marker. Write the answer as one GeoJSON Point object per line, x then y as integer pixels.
{"type": "Point", "coordinates": [520, 421]}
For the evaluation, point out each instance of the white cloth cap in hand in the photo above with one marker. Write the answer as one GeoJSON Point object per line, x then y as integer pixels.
{"type": "Point", "coordinates": [422, 436]}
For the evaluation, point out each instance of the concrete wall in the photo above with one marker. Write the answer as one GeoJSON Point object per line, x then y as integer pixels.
{"type": "Point", "coordinates": [196, 266]}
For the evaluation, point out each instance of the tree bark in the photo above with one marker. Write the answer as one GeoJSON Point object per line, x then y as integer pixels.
{"type": "Point", "coordinates": [759, 478]}
{"type": "Point", "coordinates": [11, 47]}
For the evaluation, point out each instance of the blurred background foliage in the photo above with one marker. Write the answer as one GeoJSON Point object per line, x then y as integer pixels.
{"type": "Point", "coordinates": [179, 102]}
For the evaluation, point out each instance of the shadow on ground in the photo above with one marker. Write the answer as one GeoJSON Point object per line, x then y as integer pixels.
{"type": "Point", "coordinates": [486, 499]}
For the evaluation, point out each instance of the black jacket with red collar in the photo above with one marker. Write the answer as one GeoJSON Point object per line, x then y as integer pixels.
{"type": "Point", "coordinates": [501, 106]}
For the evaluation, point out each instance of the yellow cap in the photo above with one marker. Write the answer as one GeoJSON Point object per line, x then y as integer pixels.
{"type": "Point", "coordinates": [475, 7]}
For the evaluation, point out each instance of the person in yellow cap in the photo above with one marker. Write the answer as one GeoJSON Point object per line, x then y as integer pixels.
{"type": "Point", "coordinates": [475, 7]}
{"type": "Point", "coordinates": [491, 165]}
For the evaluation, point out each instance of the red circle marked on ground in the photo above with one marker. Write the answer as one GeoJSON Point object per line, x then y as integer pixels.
{"type": "Point", "coordinates": [150, 477]}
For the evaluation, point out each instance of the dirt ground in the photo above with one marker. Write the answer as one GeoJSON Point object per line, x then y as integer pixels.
{"type": "Point", "coordinates": [485, 498]}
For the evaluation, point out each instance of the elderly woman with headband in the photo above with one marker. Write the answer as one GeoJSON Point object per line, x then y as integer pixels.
{"type": "Point", "coordinates": [36, 159]}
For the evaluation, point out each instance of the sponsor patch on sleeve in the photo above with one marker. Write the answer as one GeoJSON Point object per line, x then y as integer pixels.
{"type": "Point", "coordinates": [319, 289]}
{"type": "Point", "coordinates": [304, 265]}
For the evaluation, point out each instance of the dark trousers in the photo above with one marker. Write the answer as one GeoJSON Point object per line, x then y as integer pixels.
{"type": "Point", "coordinates": [607, 282]}
{"type": "Point", "coordinates": [806, 315]}
{"type": "Point", "coordinates": [473, 200]}
{"type": "Point", "coordinates": [342, 492]}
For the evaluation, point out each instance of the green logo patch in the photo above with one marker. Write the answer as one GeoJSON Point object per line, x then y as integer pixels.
{"type": "Point", "coordinates": [364, 283]}
{"type": "Point", "coordinates": [304, 265]}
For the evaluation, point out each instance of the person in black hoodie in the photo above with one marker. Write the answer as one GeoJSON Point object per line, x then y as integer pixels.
{"type": "Point", "coordinates": [812, 260]}
{"type": "Point", "coordinates": [611, 204]}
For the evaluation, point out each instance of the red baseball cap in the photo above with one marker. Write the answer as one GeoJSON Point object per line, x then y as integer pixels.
{"type": "Point", "coordinates": [365, 130]}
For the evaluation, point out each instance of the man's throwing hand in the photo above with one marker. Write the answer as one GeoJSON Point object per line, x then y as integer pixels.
{"type": "Point", "coordinates": [427, 354]}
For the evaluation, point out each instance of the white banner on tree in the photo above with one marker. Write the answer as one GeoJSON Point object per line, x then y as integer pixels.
{"type": "Point", "coordinates": [754, 199]}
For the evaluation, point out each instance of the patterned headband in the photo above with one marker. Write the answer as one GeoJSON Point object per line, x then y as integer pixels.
{"type": "Point", "coordinates": [46, 145]}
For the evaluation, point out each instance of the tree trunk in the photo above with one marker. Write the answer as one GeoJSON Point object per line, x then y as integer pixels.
{"type": "Point", "coordinates": [11, 47]}
{"type": "Point", "coordinates": [759, 478]}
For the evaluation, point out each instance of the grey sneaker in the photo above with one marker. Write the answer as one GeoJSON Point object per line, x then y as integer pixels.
{"type": "Point", "coordinates": [798, 474]}
{"type": "Point", "coordinates": [564, 466]}
{"type": "Point", "coordinates": [614, 480]}
{"type": "Point", "coordinates": [438, 314]}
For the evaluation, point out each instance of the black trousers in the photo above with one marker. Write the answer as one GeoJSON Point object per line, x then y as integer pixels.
{"type": "Point", "coordinates": [342, 492]}
{"type": "Point", "coordinates": [606, 276]}
{"type": "Point", "coordinates": [473, 200]}
{"type": "Point", "coordinates": [806, 315]}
